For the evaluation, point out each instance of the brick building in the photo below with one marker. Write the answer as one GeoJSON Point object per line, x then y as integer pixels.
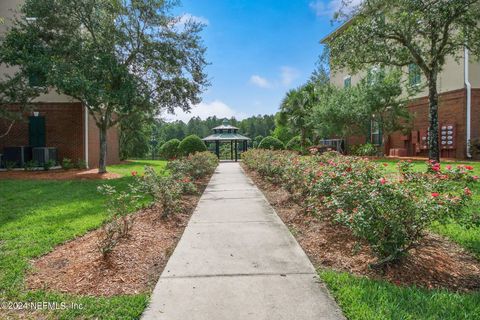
{"type": "Point", "coordinates": [459, 109]}
{"type": "Point", "coordinates": [56, 121]}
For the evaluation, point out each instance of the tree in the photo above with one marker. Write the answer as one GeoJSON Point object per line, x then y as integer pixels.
{"type": "Point", "coordinates": [271, 143]}
{"type": "Point", "coordinates": [296, 107]}
{"type": "Point", "coordinates": [378, 99]}
{"type": "Point", "coordinates": [408, 32]}
{"type": "Point", "coordinates": [117, 58]}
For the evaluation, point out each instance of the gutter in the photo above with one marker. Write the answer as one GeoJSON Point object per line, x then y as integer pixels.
{"type": "Point", "coordinates": [468, 86]}
{"type": "Point", "coordinates": [86, 135]}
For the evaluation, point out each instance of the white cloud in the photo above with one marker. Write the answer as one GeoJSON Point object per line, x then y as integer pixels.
{"type": "Point", "coordinates": [260, 82]}
{"type": "Point", "coordinates": [206, 109]}
{"type": "Point", "coordinates": [323, 8]}
{"type": "Point", "coordinates": [189, 17]}
{"type": "Point", "coordinates": [288, 75]}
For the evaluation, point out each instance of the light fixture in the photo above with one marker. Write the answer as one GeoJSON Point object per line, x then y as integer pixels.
{"type": "Point", "coordinates": [36, 113]}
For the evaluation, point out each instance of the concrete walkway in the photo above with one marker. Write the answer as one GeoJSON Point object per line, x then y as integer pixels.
{"type": "Point", "coordinates": [237, 261]}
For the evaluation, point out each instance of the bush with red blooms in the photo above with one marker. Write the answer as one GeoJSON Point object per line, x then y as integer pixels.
{"type": "Point", "coordinates": [390, 213]}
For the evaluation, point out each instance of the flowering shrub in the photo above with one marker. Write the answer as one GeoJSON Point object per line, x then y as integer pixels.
{"type": "Point", "coordinates": [196, 166]}
{"type": "Point", "coordinates": [118, 224]}
{"type": "Point", "coordinates": [165, 190]}
{"type": "Point", "coordinates": [391, 214]}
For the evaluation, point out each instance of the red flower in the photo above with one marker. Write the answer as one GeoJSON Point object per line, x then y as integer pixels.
{"type": "Point", "coordinates": [449, 167]}
{"type": "Point", "coordinates": [469, 168]}
{"type": "Point", "coordinates": [134, 173]}
{"type": "Point", "coordinates": [348, 169]}
{"type": "Point", "coordinates": [383, 181]}
{"type": "Point", "coordinates": [436, 167]}
{"type": "Point", "coordinates": [435, 194]}
{"type": "Point", "coordinates": [385, 164]}
{"type": "Point", "coordinates": [467, 191]}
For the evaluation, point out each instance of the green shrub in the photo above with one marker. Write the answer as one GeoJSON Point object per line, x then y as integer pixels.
{"type": "Point", "coordinates": [81, 164]}
{"type": "Point", "coordinates": [257, 141]}
{"type": "Point", "coordinates": [169, 150]}
{"type": "Point", "coordinates": [364, 150]}
{"type": "Point", "coordinates": [30, 165]}
{"type": "Point", "coordinates": [191, 145]}
{"type": "Point", "coordinates": [271, 143]}
{"type": "Point", "coordinates": [67, 164]}
{"type": "Point", "coordinates": [391, 214]}
{"type": "Point", "coordinates": [295, 144]}
{"type": "Point", "coordinates": [48, 165]}
{"type": "Point", "coordinates": [9, 165]}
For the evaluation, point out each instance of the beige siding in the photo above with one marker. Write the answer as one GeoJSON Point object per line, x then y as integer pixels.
{"type": "Point", "coordinates": [8, 10]}
{"type": "Point", "coordinates": [451, 78]}
{"type": "Point", "coordinates": [474, 72]}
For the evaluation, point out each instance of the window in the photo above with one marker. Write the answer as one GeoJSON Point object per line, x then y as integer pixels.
{"type": "Point", "coordinates": [347, 82]}
{"type": "Point", "coordinates": [376, 133]}
{"type": "Point", "coordinates": [414, 75]}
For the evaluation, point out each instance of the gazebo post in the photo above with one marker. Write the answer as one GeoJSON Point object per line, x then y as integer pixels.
{"type": "Point", "coordinates": [231, 149]}
{"type": "Point", "coordinates": [236, 154]}
{"type": "Point", "coordinates": [217, 148]}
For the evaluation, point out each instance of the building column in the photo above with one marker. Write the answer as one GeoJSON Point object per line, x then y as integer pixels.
{"type": "Point", "coordinates": [236, 151]}
{"type": "Point", "coordinates": [217, 148]}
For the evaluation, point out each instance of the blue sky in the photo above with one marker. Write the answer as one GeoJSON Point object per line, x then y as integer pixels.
{"type": "Point", "coordinates": [258, 50]}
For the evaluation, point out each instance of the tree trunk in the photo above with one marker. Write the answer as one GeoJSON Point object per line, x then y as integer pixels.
{"type": "Point", "coordinates": [303, 134]}
{"type": "Point", "coordinates": [433, 149]}
{"type": "Point", "coordinates": [102, 165]}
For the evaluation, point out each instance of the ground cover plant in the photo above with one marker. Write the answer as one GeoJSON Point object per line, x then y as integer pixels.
{"type": "Point", "coordinates": [437, 280]}
{"type": "Point", "coordinates": [55, 212]}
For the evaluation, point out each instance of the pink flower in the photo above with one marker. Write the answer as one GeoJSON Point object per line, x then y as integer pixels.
{"type": "Point", "coordinates": [449, 167]}
{"type": "Point", "coordinates": [134, 173]}
{"type": "Point", "coordinates": [467, 191]}
{"type": "Point", "coordinates": [383, 181]}
{"type": "Point", "coordinates": [435, 194]}
{"type": "Point", "coordinates": [475, 178]}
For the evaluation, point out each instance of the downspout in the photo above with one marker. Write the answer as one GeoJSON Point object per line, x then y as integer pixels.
{"type": "Point", "coordinates": [468, 86]}
{"type": "Point", "coordinates": [86, 135]}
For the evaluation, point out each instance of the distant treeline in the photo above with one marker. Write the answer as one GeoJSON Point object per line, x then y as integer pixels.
{"type": "Point", "coordinates": [145, 141]}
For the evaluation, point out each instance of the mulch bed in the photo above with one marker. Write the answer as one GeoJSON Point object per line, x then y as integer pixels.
{"type": "Point", "coordinates": [435, 263]}
{"type": "Point", "coordinates": [134, 265]}
{"type": "Point", "coordinates": [59, 174]}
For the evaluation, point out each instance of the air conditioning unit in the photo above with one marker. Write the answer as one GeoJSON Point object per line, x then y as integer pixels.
{"type": "Point", "coordinates": [19, 155]}
{"type": "Point", "coordinates": [43, 155]}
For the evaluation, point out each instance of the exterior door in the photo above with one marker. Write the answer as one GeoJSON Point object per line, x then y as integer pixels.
{"type": "Point", "coordinates": [36, 131]}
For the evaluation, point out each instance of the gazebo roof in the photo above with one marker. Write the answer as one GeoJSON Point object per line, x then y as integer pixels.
{"type": "Point", "coordinates": [225, 126]}
{"type": "Point", "coordinates": [225, 136]}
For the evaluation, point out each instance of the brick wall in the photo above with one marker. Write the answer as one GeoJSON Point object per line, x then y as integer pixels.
{"type": "Point", "coordinates": [64, 129]}
{"type": "Point", "coordinates": [452, 110]}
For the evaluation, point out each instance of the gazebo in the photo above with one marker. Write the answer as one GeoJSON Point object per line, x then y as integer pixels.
{"type": "Point", "coordinates": [226, 133]}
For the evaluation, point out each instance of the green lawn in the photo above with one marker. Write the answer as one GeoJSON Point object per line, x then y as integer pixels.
{"type": "Point", "coordinates": [35, 216]}
{"type": "Point", "coordinates": [126, 169]}
{"type": "Point", "coordinates": [361, 298]}
{"type": "Point", "coordinates": [469, 238]}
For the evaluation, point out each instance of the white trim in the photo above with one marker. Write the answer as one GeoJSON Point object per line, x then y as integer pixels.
{"type": "Point", "coordinates": [468, 86]}
{"type": "Point", "coordinates": [86, 135]}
